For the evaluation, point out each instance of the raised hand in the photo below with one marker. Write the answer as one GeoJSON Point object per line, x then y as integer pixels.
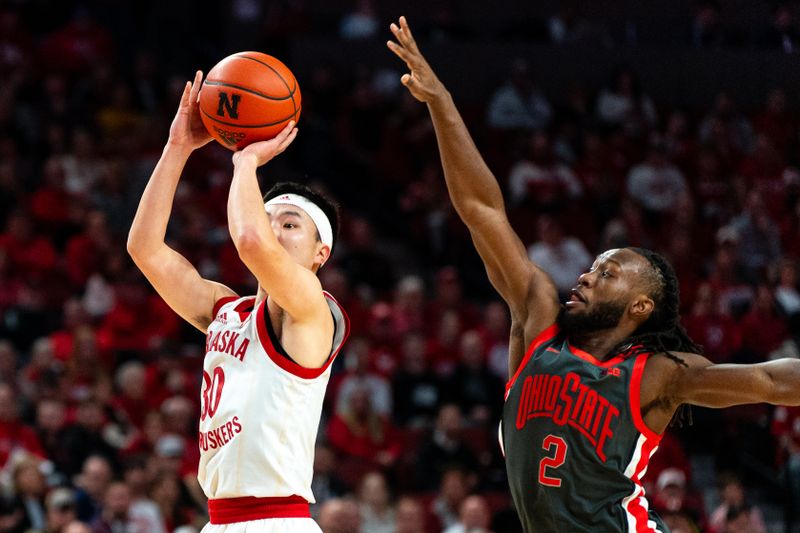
{"type": "Point", "coordinates": [421, 81]}
{"type": "Point", "coordinates": [187, 129]}
{"type": "Point", "coordinates": [263, 151]}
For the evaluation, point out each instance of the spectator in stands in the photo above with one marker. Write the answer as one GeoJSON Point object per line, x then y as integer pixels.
{"type": "Point", "coordinates": [732, 503]}
{"type": "Point", "coordinates": [377, 512]}
{"type": "Point", "coordinates": [471, 386]}
{"type": "Point", "coordinates": [777, 122]}
{"type": "Point", "coordinates": [539, 179]}
{"type": "Point", "coordinates": [143, 510]}
{"type": "Point", "coordinates": [358, 431]}
{"type": "Point", "coordinates": [445, 450]}
{"type": "Point", "coordinates": [494, 331]}
{"type": "Point", "coordinates": [712, 327]}
{"type": "Point", "coordinates": [60, 508]}
{"type": "Point", "coordinates": [786, 430]}
{"type": "Point", "coordinates": [781, 34]}
{"type": "Point", "coordinates": [672, 495]}
{"type": "Point", "coordinates": [115, 512]}
{"type": "Point", "coordinates": [408, 308]}
{"type": "Point", "coordinates": [624, 103]}
{"type": "Point", "coordinates": [726, 129]}
{"type": "Point", "coordinates": [454, 488]}
{"type": "Point", "coordinates": [340, 515]}
{"type": "Point", "coordinates": [29, 491]}
{"type": "Point", "coordinates": [15, 437]}
{"type": "Point", "coordinates": [706, 30]}
{"type": "Point", "coordinates": [759, 241]}
{"type": "Point", "coordinates": [410, 516]}
{"type": "Point", "coordinates": [359, 375]}
{"type": "Point", "coordinates": [473, 517]}
{"type": "Point", "coordinates": [656, 184]}
{"type": "Point", "coordinates": [417, 390]}
{"type": "Point", "coordinates": [518, 104]}
{"type": "Point", "coordinates": [361, 23]}
{"type": "Point", "coordinates": [132, 399]}
{"type": "Point", "coordinates": [77, 527]}
{"type": "Point", "coordinates": [92, 484]}
{"type": "Point", "coordinates": [84, 439]}
{"type": "Point", "coordinates": [326, 483]}
{"type": "Point", "coordinates": [563, 257]}
{"type": "Point", "coordinates": [762, 328]}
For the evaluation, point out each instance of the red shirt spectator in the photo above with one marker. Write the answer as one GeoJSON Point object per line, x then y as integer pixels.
{"type": "Point", "coordinates": [29, 254]}
{"type": "Point", "coordinates": [711, 328]}
{"type": "Point", "coordinates": [14, 435]}
{"type": "Point", "coordinates": [358, 431]}
{"type": "Point", "coordinates": [763, 329]}
{"type": "Point", "coordinates": [86, 252]}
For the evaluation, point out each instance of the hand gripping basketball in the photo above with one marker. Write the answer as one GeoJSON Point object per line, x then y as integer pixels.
{"type": "Point", "coordinates": [421, 81]}
{"type": "Point", "coordinates": [187, 130]}
{"type": "Point", "coordinates": [263, 151]}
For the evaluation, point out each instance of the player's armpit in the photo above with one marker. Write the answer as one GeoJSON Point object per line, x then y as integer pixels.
{"type": "Point", "coordinates": [709, 385]}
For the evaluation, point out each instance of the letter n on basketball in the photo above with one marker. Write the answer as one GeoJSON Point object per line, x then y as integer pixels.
{"type": "Point", "coordinates": [231, 104]}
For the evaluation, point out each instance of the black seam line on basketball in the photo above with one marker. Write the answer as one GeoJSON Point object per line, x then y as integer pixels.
{"type": "Point", "coordinates": [212, 117]}
{"type": "Point", "coordinates": [291, 92]}
{"type": "Point", "coordinates": [251, 91]}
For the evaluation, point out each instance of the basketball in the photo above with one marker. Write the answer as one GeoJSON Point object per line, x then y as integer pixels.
{"type": "Point", "coordinates": [248, 97]}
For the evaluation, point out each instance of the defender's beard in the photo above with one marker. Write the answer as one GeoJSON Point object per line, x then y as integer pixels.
{"type": "Point", "coordinates": [605, 315]}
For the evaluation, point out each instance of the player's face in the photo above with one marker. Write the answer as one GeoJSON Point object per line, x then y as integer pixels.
{"type": "Point", "coordinates": [604, 292]}
{"type": "Point", "coordinates": [297, 233]}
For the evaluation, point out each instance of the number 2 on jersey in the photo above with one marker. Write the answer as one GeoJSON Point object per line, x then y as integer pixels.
{"type": "Point", "coordinates": [558, 458]}
{"type": "Point", "coordinates": [212, 391]}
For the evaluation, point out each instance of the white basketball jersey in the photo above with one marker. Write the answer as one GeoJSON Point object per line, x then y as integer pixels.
{"type": "Point", "coordinates": [259, 410]}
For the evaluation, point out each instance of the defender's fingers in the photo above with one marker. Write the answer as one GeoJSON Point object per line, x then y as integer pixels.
{"type": "Point", "coordinates": [286, 142]}
{"type": "Point", "coordinates": [399, 51]}
{"type": "Point", "coordinates": [409, 37]}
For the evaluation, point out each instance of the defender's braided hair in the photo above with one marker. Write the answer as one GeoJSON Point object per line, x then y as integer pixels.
{"type": "Point", "coordinates": [662, 332]}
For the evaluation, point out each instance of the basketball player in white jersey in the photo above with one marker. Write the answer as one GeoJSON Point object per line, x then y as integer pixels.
{"type": "Point", "coordinates": [268, 356]}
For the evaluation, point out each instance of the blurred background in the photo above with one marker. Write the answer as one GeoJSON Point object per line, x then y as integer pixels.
{"type": "Point", "coordinates": [666, 124]}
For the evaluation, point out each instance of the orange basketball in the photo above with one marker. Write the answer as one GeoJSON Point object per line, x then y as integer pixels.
{"type": "Point", "coordinates": [248, 97]}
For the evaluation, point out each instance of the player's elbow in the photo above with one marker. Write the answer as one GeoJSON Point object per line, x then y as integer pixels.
{"type": "Point", "coordinates": [784, 383]}
{"type": "Point", "coordinates": [249, 243]}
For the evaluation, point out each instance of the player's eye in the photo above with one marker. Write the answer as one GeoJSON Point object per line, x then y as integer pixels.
{"type": "Point", "coordinates": [289, 225]}
{"type": "Point", "coordinates": [605, 273]}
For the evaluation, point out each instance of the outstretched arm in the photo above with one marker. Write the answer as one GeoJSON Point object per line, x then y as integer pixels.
{"type": "Point", "coordinates": [709, 385]}
{"type": "Point", "coordinates": [173, 277]}
{"type": "Point", "coordinates": [477, 197]}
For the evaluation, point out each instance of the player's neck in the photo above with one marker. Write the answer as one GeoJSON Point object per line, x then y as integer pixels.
{"type": "Point", "coordinates": [599, 343]}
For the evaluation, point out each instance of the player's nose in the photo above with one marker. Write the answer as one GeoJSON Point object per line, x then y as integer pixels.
{"type": "Point", "coordinates": [585, 279]}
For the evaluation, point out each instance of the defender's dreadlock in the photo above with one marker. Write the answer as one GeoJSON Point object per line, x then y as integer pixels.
{"type": "Point", "coordinates": [662, 332]}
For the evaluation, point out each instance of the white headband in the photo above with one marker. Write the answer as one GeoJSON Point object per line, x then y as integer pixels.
{"type": "Point", "coordinates": [312, 210]}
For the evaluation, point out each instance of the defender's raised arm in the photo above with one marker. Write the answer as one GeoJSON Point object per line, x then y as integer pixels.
{"type": "Point", "coordinates": [477, 198]}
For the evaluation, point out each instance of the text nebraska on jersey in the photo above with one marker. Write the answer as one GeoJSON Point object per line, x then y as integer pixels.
{"type": "Point", "coordinates": [227, 342]}
{"type": "Point", "coordinates": [568, 401]}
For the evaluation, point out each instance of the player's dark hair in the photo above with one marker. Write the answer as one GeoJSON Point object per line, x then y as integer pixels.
{"type": "Point", "coordinates": [662, 332]}
{"type": "Point", "coordinates": [328, 206]}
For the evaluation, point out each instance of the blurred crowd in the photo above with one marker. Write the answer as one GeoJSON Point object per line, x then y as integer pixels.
{"type": "Point", "coordinates": [99, 380]}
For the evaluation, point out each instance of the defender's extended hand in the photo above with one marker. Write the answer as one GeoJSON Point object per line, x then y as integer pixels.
{"type": "Point", "coordinates": [187, 129]}
{"type": "Point", "coordinates": [421, 81]}
{"type": "Point", "coordinates": [263, 151]}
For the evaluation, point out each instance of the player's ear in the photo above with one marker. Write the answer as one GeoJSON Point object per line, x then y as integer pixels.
{"type": "Point", "coordinates": [642, 307]}
{"type": "Point", "coordinates": [322, 255]}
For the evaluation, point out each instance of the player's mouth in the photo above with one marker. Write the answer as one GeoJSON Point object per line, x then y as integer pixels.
{"type": "Point", "coordinates": [575, 298]}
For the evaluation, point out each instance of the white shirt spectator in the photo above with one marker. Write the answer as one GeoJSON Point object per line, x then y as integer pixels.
{"type": "Point", "coordinates": [564, 261]}
{"type": "Point", "coordinates": [656, 187]}
{"type": "Point", "coordinates": [525, 173]}
{"type": "Point", "coordinates": [510, 109]}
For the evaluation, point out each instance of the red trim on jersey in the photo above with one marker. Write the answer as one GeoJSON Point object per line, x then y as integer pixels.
{"type": "Point", "coordinates": [232, 510]}
{"type": "Point", "coordinates": [222, 301]}
{"type": "Point", "coordinates": [589, 358]}
{"type": "Point", "coordinates": [634, 392]}
{"type": "Point", "coordinates": [546, 335]}
{"type": "Point", "coordinates": [284, 363]}
{"type": "Point", "coordinates": [635, 506]}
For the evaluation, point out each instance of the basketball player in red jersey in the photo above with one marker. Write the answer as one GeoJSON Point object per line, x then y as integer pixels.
{"type": "Point", "coordinates": [268, 356]}
{"type": "Point", "coordinates": [593, 382]}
